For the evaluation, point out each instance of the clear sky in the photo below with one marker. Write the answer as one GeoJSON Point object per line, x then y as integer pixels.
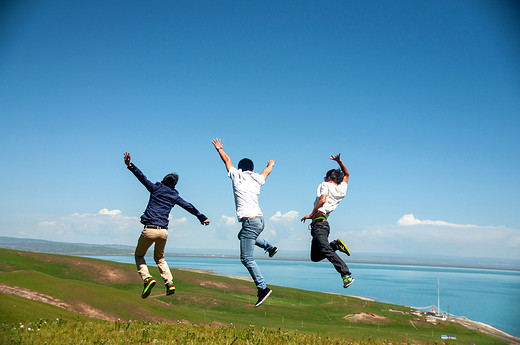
{"type": "Point", "coordinates": [422, 99]}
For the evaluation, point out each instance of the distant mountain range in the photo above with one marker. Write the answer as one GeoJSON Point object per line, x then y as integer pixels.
{"type": "Point", "coordinates": [50, 247]}
{"type": "Point", "coordinates": [85, 249]}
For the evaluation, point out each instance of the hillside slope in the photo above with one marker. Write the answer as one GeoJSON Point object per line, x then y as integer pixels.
{"type": "Point", "coordinates": [38, 286]}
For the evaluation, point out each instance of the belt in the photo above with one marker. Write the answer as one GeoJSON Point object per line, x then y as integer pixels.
{"type": "Point", "coordinates": [148, 226]}
{"type": "Point", "coordinates": [244, 218]}
{"type": "Point", "coordinates": [319, 219]}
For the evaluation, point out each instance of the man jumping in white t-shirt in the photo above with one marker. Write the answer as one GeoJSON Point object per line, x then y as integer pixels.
{"type": "Point", "coordinates": [330, 193]}
{"type": "Point", "coordinates": [246, 189]}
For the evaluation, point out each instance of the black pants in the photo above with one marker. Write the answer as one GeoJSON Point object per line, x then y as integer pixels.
{"type": "Point", "coordinates": [321, 247]}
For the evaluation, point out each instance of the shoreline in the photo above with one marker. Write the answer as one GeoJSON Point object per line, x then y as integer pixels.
{"type": "Point", "coordinates": [373, 260]}
{"type": "Point", "coordinates": [248, 279]}
{"type": "Point", "coordinates": [485, 328]}
{"type": "Point", "coordinates": [462, 320]}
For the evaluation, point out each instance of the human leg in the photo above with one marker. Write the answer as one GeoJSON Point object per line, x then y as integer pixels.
{"type": "Point", "coordinates": [143, 244]}
{"type": "Point", "coordinates": [161, 235]}
{"type": "Point", "coordinates": [316, 245]}
{"type": "Point", "coordinates": [264, 244]}
{"type": "Point", "coordinates": [248, 235]}
{"type": "Point", "coordinates": [321, 247]}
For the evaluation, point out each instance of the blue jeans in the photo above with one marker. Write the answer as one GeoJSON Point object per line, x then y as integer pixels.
{"type": "Point", "coordinates": [248, 236]}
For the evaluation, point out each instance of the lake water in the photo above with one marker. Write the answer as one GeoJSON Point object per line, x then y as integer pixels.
{"type": "Point", "coordinates": [489, 296]}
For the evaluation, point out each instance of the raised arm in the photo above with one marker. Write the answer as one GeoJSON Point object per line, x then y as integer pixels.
{"type": "Point", "coordinates": [138, 173]}
{"type": "Point", "coordinates": [225, 158]}
{"type": "Point", "coordinates": [342, 166]}
{"type": "Point", "coordinates": [127, 159]}
{"type": "Point", "coordinates": [268, 169]}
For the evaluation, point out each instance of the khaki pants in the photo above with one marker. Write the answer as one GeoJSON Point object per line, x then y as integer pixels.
{"type": "Point", "coordinates": [147, 238]}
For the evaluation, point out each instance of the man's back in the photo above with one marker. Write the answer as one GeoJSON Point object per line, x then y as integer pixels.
{"type": "Point", "coordinates": [246, 189]}
{"type": "Point", "coordinates": [334, 192]}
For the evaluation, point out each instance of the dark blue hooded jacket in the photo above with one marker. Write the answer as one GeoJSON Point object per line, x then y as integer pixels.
{"type": "Point", "coordinates": [162, 200]}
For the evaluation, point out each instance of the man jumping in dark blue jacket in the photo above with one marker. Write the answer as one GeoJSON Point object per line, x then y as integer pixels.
{"type": "Point", "coordinates": [163, 196]}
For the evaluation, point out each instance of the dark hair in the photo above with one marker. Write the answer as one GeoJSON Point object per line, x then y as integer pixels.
{"type": "Point", "coordinates": [246, 164]}
{"type": "Point", "coordinates": [170, 180]}
{"type": "Point", "coordinates": [335, 175]}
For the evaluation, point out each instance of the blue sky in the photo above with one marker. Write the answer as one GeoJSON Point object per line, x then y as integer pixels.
{"type": "Point", "coordinates": [421, 99]}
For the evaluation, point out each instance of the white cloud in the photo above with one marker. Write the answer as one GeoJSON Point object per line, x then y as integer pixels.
{"type": "Point", "coordinates": [435, 238]}
{"type": "Point", "coordinates": [227, 221]}
{"type": "Point", "coordinates": [105, 226]}
{"type": "Point", "coordinates": [269, 233]}
{"type": "Point", "coordinates": [47, 223]}
{"type": "Point", "coordinates": [408, 236]}
{"type": "Point", "coordinates": [409, 220]}
{"type": "Point", "coordinates": [178, 221]}
{"type": "Point", "coordinates": [104, 217]}
{"type": "Point", "coordinates": [110, 213]}
{"type": "Point", "coordinates": [284, 231]}
{"type": "Point", "coordinates": [289, 216]}
{"type": "Point", "coordinates": [218, 234]}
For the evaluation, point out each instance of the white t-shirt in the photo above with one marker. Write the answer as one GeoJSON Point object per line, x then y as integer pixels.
{"type": "Point", "coordinates": [334, 195]}
{"type": "Point", "coordinates": [246, 188]}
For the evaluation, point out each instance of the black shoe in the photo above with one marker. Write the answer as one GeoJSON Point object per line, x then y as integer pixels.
{"type": "Point", "coordinates": [262, 296]}
{"type": "Point", "coordinates": [273, 252]}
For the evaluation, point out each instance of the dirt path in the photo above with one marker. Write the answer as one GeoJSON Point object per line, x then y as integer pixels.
{"type": "Point", "coordinates": [78, 307]}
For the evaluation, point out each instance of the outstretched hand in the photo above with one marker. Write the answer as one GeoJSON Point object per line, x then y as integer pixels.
{"type": "Point", "coordinates": [336, 158]}
{"type": "Point", "coordinates": [206, 222]}
{"type": "Point", "coordinates": [217, 143]}
{"type": "Point", "coordinates": [305, 218]}
{"type": "Point", "coordinates": [127, 159]}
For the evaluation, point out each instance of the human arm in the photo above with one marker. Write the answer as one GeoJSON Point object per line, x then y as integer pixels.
{"type": "Point", "coordinates": [225, 158]}
{"type": "Point", "coordinates": [314, 212]}
{"type": "Point", "coordinates": [268, 169]}
{"type": "Point", "coordinates": [137, 173]}
{"type": "Point", "coordinates": [193, 210]}
{"type": "Point", "coordinates": [342, 166]}
{"type": "Point", "coordinates": [127, 159]}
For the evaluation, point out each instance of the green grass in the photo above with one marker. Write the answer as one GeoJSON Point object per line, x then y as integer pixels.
{"type": "Point", "coordinates": [94, 332]}
{"type": "Point", "coordinates": [100, 289]}
{"type": "Point", "coordinates": [16, 309]}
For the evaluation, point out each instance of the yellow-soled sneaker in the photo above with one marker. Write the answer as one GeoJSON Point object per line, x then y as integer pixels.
{"type": "Point", "coordinates": [149, 283]}
{"type": "Point", "coordinates": [342, 246]}
{"type": "Point", "coordinates": [170, 289]}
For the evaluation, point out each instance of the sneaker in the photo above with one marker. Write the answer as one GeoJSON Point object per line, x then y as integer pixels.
{"type": "Point", "coordinates": [170, 289]}
{"type": "Point", "coordinates": [262, 296]}
{"type": "Point", "coordinates": [273, 252]}
{"type": "Point", "coordinates": [347, 281]}
{"type": "Point", "coordinates": [342, 247]}
{"type": "Point", "coordinates": [149, 283]}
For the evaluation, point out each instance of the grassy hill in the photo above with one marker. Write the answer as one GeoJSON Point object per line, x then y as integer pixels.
{"type": "Point", "coordinates": [74, 300]}
{"type": "Point", "coordinates": [43, 246]}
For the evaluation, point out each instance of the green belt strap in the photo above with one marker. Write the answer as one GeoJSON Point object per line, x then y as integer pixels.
{"type": "Point", "coordinates": [318, 218]}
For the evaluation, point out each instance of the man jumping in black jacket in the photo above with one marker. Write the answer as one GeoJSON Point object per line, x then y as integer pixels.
{"type": "Point", "coordinates": [163, 196]}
